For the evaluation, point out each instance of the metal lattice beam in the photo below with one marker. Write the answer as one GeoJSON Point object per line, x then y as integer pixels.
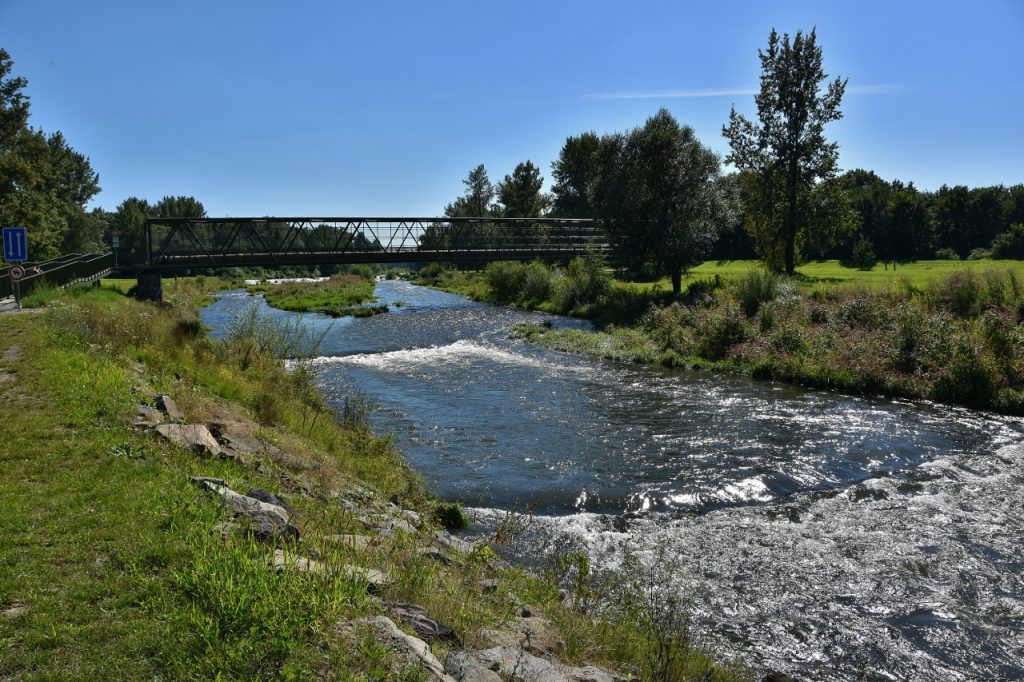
{"type": "Point", "coordinates": [232, 242]}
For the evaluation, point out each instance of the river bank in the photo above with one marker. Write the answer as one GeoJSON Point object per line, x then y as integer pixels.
{"type": "Point", "coordinates": [179, 507]}
{"type": "Point", "coordinates": [952, 336]}
{"type": "Point", "coordinates": [826, 536]}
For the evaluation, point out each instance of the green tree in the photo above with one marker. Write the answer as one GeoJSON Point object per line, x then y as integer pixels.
{"type": "Point", "coordinates": [179, 207]}
{"type": "Point", "coordinates": [1009, 244]}
{"type": "Point", "coordinates": [575, 172]}
{"type": "Point", "coordinates": [478, 201]}
{"type": "Point", "coordinates": [908, 220]}
{"type": "Point", "coordinates": [658, 196]}
{"type": "Point", "coordinates": [129, 219]}
{"type": "Point", "coordinates": [787, 149]}
{"type": "Point", "coordinates": [44, 183]}
{"type": "Point", "coordinates": [520, 193]}
{"type": "Point", "coordinates": [951, 219]}
{"type": "Point", "coordinates": [868, 196]}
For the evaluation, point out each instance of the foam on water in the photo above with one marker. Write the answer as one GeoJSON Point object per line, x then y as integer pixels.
{"type": "Point", "coordinates": [459, 353]}
{"type": "Point", "coordinates": [883, 579]}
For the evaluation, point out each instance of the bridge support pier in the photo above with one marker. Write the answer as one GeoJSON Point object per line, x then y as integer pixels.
{"type": "Point", "coordinates": [148, 286]}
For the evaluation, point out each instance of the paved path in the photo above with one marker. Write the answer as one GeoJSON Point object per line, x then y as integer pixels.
{"type": "Point", "coordinates": [7, 305]}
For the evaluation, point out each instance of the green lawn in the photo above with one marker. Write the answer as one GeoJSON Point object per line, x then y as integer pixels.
{"type": "Point", "coordinates": [831, 272]}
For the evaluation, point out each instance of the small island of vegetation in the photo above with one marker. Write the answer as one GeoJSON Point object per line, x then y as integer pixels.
{"type": "Point", "coordinates": [341, 295]}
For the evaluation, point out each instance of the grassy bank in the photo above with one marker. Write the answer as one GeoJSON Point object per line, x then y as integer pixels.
{"type": "Point", "coordinates": [115, 566]}
{"type": "Point", "coordinates": [947, 331]}
{"type": "Point", "coordinates": [339, 296]}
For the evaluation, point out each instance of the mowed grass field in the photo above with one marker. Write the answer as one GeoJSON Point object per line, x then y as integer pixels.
{"type": "Point", "coordinates": [832, 273]}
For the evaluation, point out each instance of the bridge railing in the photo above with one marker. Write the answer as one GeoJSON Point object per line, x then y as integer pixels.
{"type": "Point", "coordinates": [59, 272]}
{"type": "Point", "coordinates": [225, 242]}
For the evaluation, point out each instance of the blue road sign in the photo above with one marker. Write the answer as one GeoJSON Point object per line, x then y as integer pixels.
{"type": "Point", "coordinates": [15, 244]}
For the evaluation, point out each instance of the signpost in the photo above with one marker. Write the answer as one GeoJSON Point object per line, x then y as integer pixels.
{"type": "Point", "coordinates": [16, 251]}
{"type": "Point", "coordinates": [15, 244]}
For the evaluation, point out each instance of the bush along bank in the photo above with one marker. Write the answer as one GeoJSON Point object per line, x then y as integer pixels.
{"type": "Point", "coordinates": [179, 508]}
{"type": "Point", "coordinates": [958, 339]}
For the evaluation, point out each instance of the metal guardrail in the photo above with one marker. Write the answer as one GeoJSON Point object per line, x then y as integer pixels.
{"type": "Point", "coordinates": [59, 272]}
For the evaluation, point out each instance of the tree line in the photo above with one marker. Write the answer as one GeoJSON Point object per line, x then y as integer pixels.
{"type": "Point", "coordinates": [665, 204]}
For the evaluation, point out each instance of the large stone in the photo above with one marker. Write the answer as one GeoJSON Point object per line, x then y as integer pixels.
{"type": "Point", "coordinates": [520, 666]}
{"type": "Point", "coordinates": [540, 636]}
{"type": "Point", "coordinates": [269, 497]}
{"type": "Point", "coordinates": [195, 437]}
{"type": "Point", "coordinates": [449, 541]}
{"type": "Point", "coordinates": [267, 526]}
{"type": "Point", "coordinates": [147, 417]}
{"type": "Point", "coordinates": [534, 634]}
{"type": "Point", "coordinates": [236, 438]}
{"type": "Point", "coordinates": [267, 522]}
{"type": "Point", "coordinates": [465, 668]}
{"type": "Point", "coordinates": [513, 664]}
{"type": "Point", "coordinates": [411, 650]}
{"type": "Point", "coordinates": [416, 617]}
{"type": "Point", "coordinates": [387, 524]}
{"type": "Point", "coordinates": [166, 404]}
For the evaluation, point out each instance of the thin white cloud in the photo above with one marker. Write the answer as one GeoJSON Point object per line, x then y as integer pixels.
{"type": "Point", "coordinates": [670, 94]}
{"type": "Point", "coordinates": [866, 89]}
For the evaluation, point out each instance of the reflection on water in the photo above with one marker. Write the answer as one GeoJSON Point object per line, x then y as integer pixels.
{"type": "Point", "coordinates": [831, 537]}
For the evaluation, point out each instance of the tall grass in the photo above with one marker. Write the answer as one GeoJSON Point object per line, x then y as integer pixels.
{"type": "Point", "coordinates": [754, 288]}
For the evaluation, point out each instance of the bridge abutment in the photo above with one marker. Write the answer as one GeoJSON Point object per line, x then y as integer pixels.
{"type": "Point", "coordinates": [149, 286]}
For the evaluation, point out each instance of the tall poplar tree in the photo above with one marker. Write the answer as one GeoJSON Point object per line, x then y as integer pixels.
{"type": "Point", "coordinates": [785, 154]}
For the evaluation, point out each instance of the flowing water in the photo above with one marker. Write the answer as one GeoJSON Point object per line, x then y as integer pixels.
{"type": "Point", "coordinates": [825, 536]}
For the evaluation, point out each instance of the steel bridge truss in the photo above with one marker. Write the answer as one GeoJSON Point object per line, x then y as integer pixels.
{"type": "Point", "coordinates": [230, 242]}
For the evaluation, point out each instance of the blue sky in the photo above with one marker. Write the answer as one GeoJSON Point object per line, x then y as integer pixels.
{"type": "Point", "coordinates": [360, 108]}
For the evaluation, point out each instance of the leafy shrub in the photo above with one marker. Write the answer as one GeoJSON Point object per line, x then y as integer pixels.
{"type": "Point", "coordinates": [909, 333]}
{"type": "Point", "coordinates": [719, 330]}
{"type": "Point", "coordinates": [863, 256]}
{"type": "Point", "coordinates": [788, 339]}
{"type": "Point", "coordinates": [362, 270]}
{"type": "Point", "coordinates": [1009, 244]}
{"type": "Point", "coordinates": [431, 273]}
{"type": "Point", "coordinates": [961, 293]}
{"type": "Point", "coordinates": [671, 327]}
{"type": "Point", "coordinates": [754, 288]}
{"type": "Point", "coordinates": [505, 279]}
{"type": "Point", "coordinates": [537, 284]}
{"type": "Point", "coordinates": [999, 332]}
{"type": "Point", "coordinates": [968, 377]}
{"type": "Point", "coordinates": [947, 254]}
{"type": "Point", "coordinates": [863, 309]}
{"type": "Point", "coordinates": [450, 515]}
{"type": "Point", "coordinates": [819, 315]}
{"type": "Point", "coordinates": [979, 254]}
{"type": "Point", "coordinates": [587, 280]}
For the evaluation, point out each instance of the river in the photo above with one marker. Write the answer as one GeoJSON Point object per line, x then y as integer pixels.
{"type": "Point", "coordinates": [821, 535]}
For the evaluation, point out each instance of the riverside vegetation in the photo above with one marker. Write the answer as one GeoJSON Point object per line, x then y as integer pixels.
{"type": "Point", "coordinates": [939, 331]}
{"type": "Point", "coordinates": [122, 560]}
{"type": "Point", "coordinates": [339, 296]}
